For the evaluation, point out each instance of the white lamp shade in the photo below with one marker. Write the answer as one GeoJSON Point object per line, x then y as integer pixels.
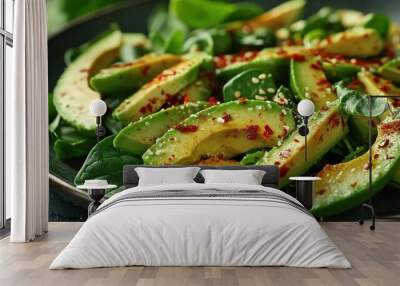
{"type": "Point", "coordinates": [98, 107]}
{"type": "Point", "coordinates": [306, 108]}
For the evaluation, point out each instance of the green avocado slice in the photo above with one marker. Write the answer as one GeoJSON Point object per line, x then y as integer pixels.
{"type": "Point", "coordinates": [222, 131]}
{"type": "Point", "coordinates": [125, 77]}
{"type": "Point", "coordinates": [344, 186]}
{"type": "Point", "coordinates": [307, 80]}
{"type": "Point", "coordinates": [72, 94]}
{"type": "Point", "coordinates": [164, 87]}
{"type": "Point", "coordinates": [274, 61]}
{"type": "Point", "coordinates": [339, 71]}
{"type": "Point", "coordinates": [140, 135]}
{"type": "Point", "coordinates": [327, 127]}
{"type": "Point", "coordinates": [391, 70]}
{"type": "Point", "coordinates": [356, 42]}
{"type": "Point", "coordinates": [278, 17]}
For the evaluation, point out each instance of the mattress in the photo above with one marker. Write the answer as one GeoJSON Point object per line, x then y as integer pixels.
{"type": "Point", "coordinates": [201, 225]}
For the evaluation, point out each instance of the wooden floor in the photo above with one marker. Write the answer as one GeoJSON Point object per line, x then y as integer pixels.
{"type": "Point", "coordinates": [375, 257]}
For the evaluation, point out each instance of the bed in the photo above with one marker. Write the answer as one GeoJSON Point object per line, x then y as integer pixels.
{"type": "Point", "coordinates": [197, 224]}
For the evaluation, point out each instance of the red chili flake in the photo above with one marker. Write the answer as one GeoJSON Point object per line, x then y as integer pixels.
{"type": "Point", "coordinates": [355, 84]}
{"type": "Point", "coordinates": [320, 192]}
{"type": "Point", "coordinates": [298, 58]}
{"type": "Point", "coordinates": [171, 100]}
{"type": "Point", "coordinates": [384, 143]}
{"type": "Point", "coordinates": [186, 99]}
{"type": "Point", "coordinates": [242, 100]}
{"type": "Point", "coordinates": [283, 171]}
{"type": "Point", "coordinates": [316, 66]}
{"type": "Point", "coordinates": [396, 103]}
{"type": "Point", "coordinates": [334, 120]}
{"type": "Point", "coordinates": [186, 128]}
{"type": "Point", "coordinates": [277, 163]}
{"type": "Point", "coordinates": [353, 184]}
{"type": "Point", "coordinates": [84, 70]}
{"type": "Point", "coordinates": [252, 132]}
{"type": "Point", "coordinates": [329, 40]}
{"type": "Point", "coordinates": [389, 52]}
{"type": "Point", "coordinates": [376, 156]}
{"type": "Point", "coordinates": [268, 131]}
{"type": "Point", "coordinates": [145, 69]}
{"type": "Point", "coordinates": [281, 52]}
{"type": "Point", "coordinates": [296, 140]}
{"type": "Point", "coordinates": [213, 100]}
{"type": "Point", "coordinates": [226, 117]}
{"type": "Point", "coordinates": [148, 108]}
{"type": "Point", "coordinates": [324, 81]}
{"type": "Point", "coordinates": [385, 88]}
{"type": "Point", "coordinates": [391, 127]}
{"type": "Point", "coordinates": [153, 100]}
{"type": "Point", "coordinates": [376, 79]}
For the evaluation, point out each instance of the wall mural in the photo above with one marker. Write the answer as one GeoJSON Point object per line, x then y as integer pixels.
{"type": "Point", "coordinates": [223, 90]}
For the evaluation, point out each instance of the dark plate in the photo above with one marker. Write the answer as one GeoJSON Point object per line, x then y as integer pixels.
{"type": "Point", "coordinates": [132, 16]}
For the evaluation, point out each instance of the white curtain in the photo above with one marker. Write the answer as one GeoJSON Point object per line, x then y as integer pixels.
{"type": "Point", "coordinates": [26, 124]}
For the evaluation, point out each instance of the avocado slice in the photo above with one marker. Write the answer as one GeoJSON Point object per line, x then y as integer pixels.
{"type": "Point", "coordinates": [339, 71]}
{"type": "Point", "coordinates": [327, 127]}
{"type": "Point", "coordinates": [350, 18]}
{"type": "Point", "coordinates": [391, 70]}
{"type": "Point", "coordinates": [72, 94]}
{"type": "Point", "coordinates": [280, 16]}
{"type": "Point", "coordinates": [251, 84]}
{"type": "Point", "coordinates": [274, 61]}
{"type": "Point", "coordinates": [356, 42]}
{"type": "Point", "coordinates": [308, 80]}
{"type": "Point", "coordinates": [125, 77]}
{"type": "Point", "coordinates": [140, 135]}
{"type": "Point", "coordinates": [153, 95]}
{"type": "Point", "coordinates": [344, 186]}
{"type": "Point", "coordinates": [224, 131]}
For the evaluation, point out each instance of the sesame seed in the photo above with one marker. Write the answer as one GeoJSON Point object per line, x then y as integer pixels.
{"type": "Point", "coordinates": [259, 107]}
{"type": "Point", "coordinates": [271, 90]}
{"type": "Point", "coordinates": [261, 91]}
{"type": "Point", "coordinates": [220, 120]}
{"type": "Point", "coordinates": [237, 94]}
{"type": "Point", "coordinates": [255, 80]}
{"type": "Point", "coordinates": [353, 61]}
{"type": "Point", "coordinates": [259, 97]}
{"type": "Point", "coordinates": [262, 76]}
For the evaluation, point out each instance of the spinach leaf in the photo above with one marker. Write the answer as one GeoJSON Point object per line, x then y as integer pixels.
{"type": "Point", "coordinates": [378, 22]}
{"type": "Point", "coordinates": [200, 14]}
{"type": "Point", "coordinates": [356, 102]}
{"type": "Point", "coordinates": [68, 141]}
{"type": "Point", "coordinates": [166, 32]}
{"type": "Point", "coordinates": [245, 11]}
{"type": "Point", "coordinates": [214, 41]}
{"type": "Point", "coordinates": [105, 165]}
{"type": "Point", "coordinates": [252, 158]}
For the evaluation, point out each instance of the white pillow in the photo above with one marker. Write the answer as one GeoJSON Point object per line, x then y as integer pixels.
{"type": "Point", "coordinates": [248, 177]}
{"type": "Point", "coordinates": [166, 176]}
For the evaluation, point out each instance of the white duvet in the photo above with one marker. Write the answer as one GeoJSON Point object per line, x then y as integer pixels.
{"type": "Point", "coordinates": [200, 231]}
